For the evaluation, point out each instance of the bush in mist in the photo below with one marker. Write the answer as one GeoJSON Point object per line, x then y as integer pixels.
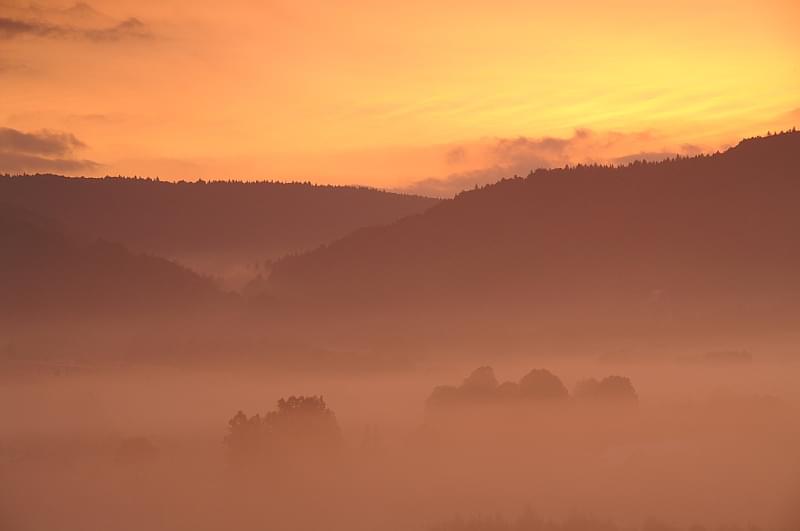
{"type": "Point", "coordinates": [482, 387]}
{"type": "Point", "coordinates": [301, 426]}
{"type": "Point", "coordinates": [541, 384]}
{"type": "Point", "coordinates": [301, 421]}
{"type": "Point", "coordinates": [481, 381]}
{"type": "Point", "coordinates": [244, 435]}
{"type": "Point", "coordinates": [611, 390]}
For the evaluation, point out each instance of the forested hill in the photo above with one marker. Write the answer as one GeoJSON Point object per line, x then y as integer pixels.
{"type": "Point", "coordinates": [218, 227]}
{"type": "Point", "coordinates": [48, 276]}
{"type": "Point", "coordinates": [697, 245]}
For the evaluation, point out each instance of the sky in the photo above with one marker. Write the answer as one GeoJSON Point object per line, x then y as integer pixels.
{"type": "Point", "coordinates": [425, 97]}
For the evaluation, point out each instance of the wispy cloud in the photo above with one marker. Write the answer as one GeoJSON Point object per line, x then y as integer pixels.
{"type": "Point", "coordinates": [41, 151]}
{"type": "Point", "coordinates": [130, 28]}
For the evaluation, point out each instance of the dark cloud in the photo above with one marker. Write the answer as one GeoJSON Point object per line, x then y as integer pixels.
{"type": "Point", "coordinates": [21, 163]}
{"type": "Point", "coordinates": [80, 21]}
{"type": "Point", "coordinates": [10, 28]}
{"type": "Point", "coordinates": [42, 151]}
{"type": "Point", "coordinates": [131, 28]}
{"type": "Point", "coordinates": [46, 143]}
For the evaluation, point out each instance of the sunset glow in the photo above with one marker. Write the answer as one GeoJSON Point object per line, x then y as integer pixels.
{"type": "Point", "coordinates": [360, 265]}
{"type": "Point", "coordinates": [384, 93]}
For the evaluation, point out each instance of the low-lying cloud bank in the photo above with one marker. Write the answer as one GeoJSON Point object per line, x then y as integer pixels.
{"type": "Point", "coordinates": [505, 157]}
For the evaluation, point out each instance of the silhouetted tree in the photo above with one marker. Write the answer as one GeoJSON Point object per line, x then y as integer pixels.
{"type": "Point", "coordinates": [444, 395]}
{"type": "Point", "coordinates": [481, 380]}
{"type": "Point", "coordinates": [481, 387]}
{"type": "Point", "coordinates": [300, 427]}
{"type": "Point", "coordinates": [301, 423]}
{"type": "Point", "coordinates": [609, 390]}
{"type": "Point", "coordinates": [244, 435]}
{"type": "Point", "coordinates": [543, 385]}
{"type": "Point", "coordinates": [508, 391]}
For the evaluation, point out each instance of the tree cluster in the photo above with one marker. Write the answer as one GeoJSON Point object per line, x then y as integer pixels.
{"type": "Point", "coordinates": [301, 426]}
{"type": "Point", "coordinates": [538, 386]}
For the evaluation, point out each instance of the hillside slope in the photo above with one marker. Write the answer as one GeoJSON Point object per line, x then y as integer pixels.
{"type": "Point", "coordinates": [219, 228]}
{"type": "Point", "coordinates": [46, 276]}
{"type": "Point", "coordinates": [696, 247]}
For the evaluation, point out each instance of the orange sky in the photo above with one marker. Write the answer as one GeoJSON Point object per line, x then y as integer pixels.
{"type": "Point", "coordinates": [386, 93]}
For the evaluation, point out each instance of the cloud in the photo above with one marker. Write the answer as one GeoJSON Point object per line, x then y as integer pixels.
{"type": "Point", "coordinates": [43, 151]}
{"type": "Point", "coordinates": [457, 155]}
{"type": "Point", "coordinates": [11, 68]}
{"type": "Point", "coordinates": [80, 21]}
{"type": "Point", "coordinates": [519, 149]}
{"type": "Point", "coordinates": [506, 157]}
{"type": "Point", "coordinates": [127, 29]}
{"type": "Point", "coordinates": [458, 182]}
{"type": "Point", "coordinates": [41, 143]}
{"type": "Point", "coordinates": [21, 163]}
{"type": "Point", "coordinates": [691, 150]}
{"type": "Point", "coordinates": [10, 28]}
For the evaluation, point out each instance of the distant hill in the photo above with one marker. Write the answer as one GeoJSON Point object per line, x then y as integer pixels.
{"type": "Point", "coordinates": [695, 249]}
{"type": "Point", "coordinates": [220, 228]}
{"type": "Point", "coordinates": [46, 276]}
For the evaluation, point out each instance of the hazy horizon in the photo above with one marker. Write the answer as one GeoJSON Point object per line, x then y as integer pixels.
{"type": "Point", "coordinates": [419, 266]}
{"type": "Point", "coordinates": [432, 99]}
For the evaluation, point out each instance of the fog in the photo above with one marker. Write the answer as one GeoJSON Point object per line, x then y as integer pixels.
{"type": "Point", "coordinates": [709, 440]}
{"type": "Point", "coordinates": [593, 348]}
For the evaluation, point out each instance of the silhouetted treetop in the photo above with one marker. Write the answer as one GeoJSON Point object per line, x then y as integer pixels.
{"type": "Point", "coordinates": [481, 380]}
{"type": "Point", "coordinates": [302, 427]}
{"type": "Point", "coordinates": [541, 384]}
{"type": "Point", "coordinates": [611, 390]}
{"type": "Point", "coordinates": [481, 387]}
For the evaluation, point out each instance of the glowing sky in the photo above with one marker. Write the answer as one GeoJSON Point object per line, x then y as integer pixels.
{"type": "Point", "coordinates": [386, 93]}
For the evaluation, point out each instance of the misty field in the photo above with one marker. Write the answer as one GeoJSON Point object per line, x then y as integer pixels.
{"type": "Point", "coordinates": [706, 442]}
